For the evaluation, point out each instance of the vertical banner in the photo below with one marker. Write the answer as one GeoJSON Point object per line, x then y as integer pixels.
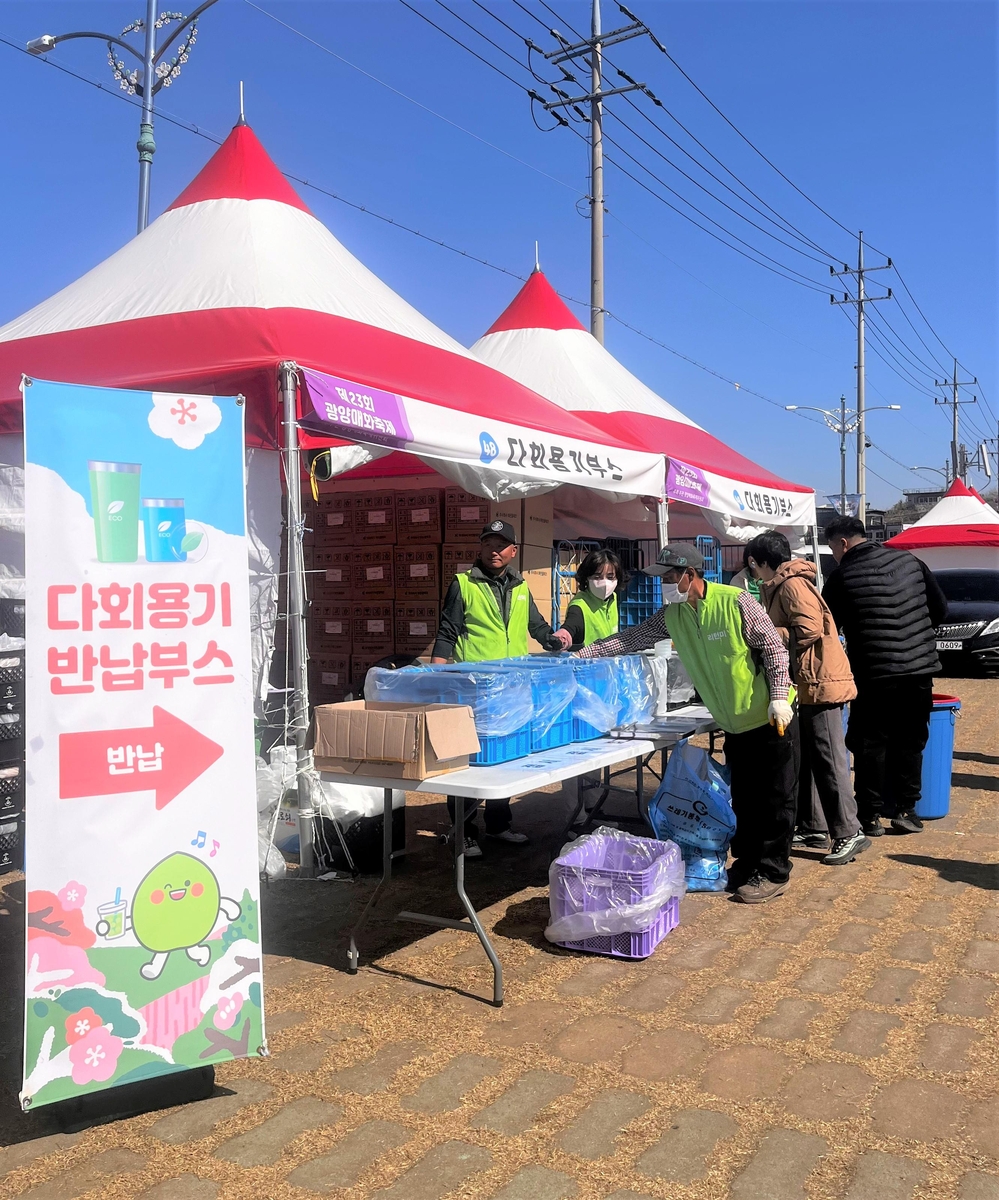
{"type": "Point", "coordinates": [143, 936]}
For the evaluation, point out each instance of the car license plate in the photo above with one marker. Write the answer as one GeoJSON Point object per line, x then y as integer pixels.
{"type": "Point", "coordinates": [950, 645]}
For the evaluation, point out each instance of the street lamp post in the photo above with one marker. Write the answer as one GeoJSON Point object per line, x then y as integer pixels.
{"type": "Point", "coordinates": [844, 421]}
{"type": "Point", "coordinates": [154, 73]}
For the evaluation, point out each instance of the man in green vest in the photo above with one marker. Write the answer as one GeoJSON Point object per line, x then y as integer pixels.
{"type": "Point", "coordinates": [737, 661]}
{"type": "Point", "coordinates": [488, 613]}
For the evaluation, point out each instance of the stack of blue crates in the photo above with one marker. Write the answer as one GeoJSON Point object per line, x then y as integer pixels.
{"type": "Point", "coordinates": [642, 598]}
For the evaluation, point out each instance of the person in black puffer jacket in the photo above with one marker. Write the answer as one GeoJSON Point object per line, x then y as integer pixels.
{"type": "Point", "coordinates": [887, 605]}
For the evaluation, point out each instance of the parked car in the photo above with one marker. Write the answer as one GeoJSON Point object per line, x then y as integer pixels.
{"type": "Point", "coordinates": [969, 636]}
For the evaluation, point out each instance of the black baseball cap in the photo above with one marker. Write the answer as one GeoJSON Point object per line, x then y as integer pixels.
{"type": "Point", "coordinates": [678, 557]}
{"type": "Point", "coordinates": [500, 529]}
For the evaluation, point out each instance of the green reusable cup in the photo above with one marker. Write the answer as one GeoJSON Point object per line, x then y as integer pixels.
{"type": "Point", "coordinates": [114, 495]}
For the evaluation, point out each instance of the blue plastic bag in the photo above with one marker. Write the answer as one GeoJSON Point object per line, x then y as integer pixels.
{"type": "Point", "coordinates": [693, 807]}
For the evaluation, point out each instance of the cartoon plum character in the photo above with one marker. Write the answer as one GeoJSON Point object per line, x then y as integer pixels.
{"type": "Point", "coordinates": [175, 907]}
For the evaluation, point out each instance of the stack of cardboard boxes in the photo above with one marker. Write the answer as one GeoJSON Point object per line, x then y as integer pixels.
{"type": "Point", "coordinates": [380, 562]}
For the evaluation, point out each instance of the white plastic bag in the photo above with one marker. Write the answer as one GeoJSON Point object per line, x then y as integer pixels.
{"type": "Point", "coordinates": [270, 860]}
{"type": "Point", "coordinates": [611, 882]}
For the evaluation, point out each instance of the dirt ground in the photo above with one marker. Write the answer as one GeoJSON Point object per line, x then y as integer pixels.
{"type": "Point", "coordinates": [842, 1041]}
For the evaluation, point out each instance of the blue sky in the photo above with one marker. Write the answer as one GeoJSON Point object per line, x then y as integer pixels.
{"type": "Point", "coordinates": [883, 113]}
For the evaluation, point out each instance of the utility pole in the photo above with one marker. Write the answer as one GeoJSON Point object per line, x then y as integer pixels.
{"type": "Point", "coordinates": [842, 456]}
{"type": "Point", "coordinates": [958, 467]}
{"type": "Point", "coordinates": [590, 52]}
{"type": "Point", "coordinates": [860, 300]}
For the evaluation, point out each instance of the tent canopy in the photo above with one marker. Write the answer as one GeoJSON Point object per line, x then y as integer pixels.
{"type": "Point", "coordinates": [960, 518]}
{"type": "Point", "coordinates": [238, 276]}
{"type": "Point", "coordinates": [539, 342]}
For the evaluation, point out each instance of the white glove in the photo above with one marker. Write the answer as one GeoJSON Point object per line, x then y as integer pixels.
{"type": "Point", "coordinates": [780, 714]}
{"type": "Point", "coordinates": [563, 636]}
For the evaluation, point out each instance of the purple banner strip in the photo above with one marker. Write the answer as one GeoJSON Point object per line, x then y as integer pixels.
{"type": "Point", "coordinates": [687, 483]}
{"type": "Point", "coordinates": [340, 408]}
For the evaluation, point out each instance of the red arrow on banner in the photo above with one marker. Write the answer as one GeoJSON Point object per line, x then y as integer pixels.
{"type": "Point", "coordinates": [106, 762]}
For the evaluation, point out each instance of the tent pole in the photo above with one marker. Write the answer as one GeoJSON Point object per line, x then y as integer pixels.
{"type": "Point", "coordinates": [662, 523]}
{"type": "Point", "coordinates": [288, 374]}
{"type": "Point", "coordinates": [815, 554]}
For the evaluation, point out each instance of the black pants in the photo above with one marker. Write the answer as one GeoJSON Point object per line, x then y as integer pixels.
{"type": "Point", "coordinates": [498, 816]}
{"type": "Point", "coordinates": [764, 769]}
{"type": "Point", "coordinates": [889, 725]}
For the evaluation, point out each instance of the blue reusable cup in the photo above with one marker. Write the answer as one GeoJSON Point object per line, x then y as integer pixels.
{"type": "Point", "coordinates": [164, 527]}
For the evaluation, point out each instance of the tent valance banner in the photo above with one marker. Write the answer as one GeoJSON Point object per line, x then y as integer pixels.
{"type": "Point", "coordinates": [342, 408]}
{"type": "Point", "coordinates": [143, 939]}
{"type": "Point", "coordinates": [767, 505]}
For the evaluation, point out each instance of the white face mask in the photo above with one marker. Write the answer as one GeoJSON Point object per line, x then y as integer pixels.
{"type": "Point", "coordinates": [673, 595]}
{"type": "Point", "coordinates": [603, 589]}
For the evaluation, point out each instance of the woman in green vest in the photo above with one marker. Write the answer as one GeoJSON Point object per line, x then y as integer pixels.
{"type": "Point", "coordinates": [592, 613]}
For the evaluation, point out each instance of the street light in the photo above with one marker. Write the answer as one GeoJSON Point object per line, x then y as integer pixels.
{"type": "Point", "coordinates": [147, 79]}
{"type": "Point", "coordinates": [844, 421]}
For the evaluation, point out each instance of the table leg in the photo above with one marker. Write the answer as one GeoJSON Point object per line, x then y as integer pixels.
{"type": "Point", "coordinates": [459, 883]}
{"type": "Point", "coordinates": [386, 876]}
{"type": "Point", "coordinates": [640, 786]}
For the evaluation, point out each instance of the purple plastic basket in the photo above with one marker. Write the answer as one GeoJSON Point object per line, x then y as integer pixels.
{"type": "Point", "coordinates": [592, 867]}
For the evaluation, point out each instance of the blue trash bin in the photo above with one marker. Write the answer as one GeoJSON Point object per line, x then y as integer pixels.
{"type": "Point", "coordinates": [937, 759]}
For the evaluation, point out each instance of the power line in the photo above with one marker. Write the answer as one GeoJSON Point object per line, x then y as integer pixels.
{"type": "Point", "coordinates": [412, 100]}
{"type": "Point", "coordinates": [474, 53]}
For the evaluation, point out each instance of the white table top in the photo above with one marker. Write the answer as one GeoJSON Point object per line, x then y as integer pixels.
{"type": "Point", "coordinates": [550, 766]}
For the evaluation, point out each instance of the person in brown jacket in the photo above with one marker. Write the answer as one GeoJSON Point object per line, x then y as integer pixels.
{"type": "Point", "coordinates": [824, 681]}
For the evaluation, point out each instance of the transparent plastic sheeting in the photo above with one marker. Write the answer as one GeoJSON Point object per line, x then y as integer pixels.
{"type": "Point", "coordinates": [553, 686]}
{"type": "Point", "coordinates": [610, 882]}
{"type": "Point", "coordinates": [501, 700]}
{"type": "Point", "coordinates": [635, 689]}
{"type": "Point", "coordinates": [596, 702]}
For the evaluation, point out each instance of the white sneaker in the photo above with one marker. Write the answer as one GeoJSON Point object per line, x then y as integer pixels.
{"type": "Point", "coordinates": [472, 848]}
{"type": "Point", "coordinates": [508, 835]}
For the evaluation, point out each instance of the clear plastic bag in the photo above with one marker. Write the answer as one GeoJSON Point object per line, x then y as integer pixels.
{"type": "Point", "coordinates": [596, 699]}
{"type": "Point", "coordinates": [553, 686]}
{"type": "Point", "coordinates": [270, 860]}
{"type": "Point", "coordinates": [636, 693]}
{"type": "Point", "coordinates": [500, 697]}
{"type": "Point", "coordinates": [671, 682]}
{"type": "Point", "coordinates": [609, 882]}
{"type": "Point", "coordinates": [693, 805]}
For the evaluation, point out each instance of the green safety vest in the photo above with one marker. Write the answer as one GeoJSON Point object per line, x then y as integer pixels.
{"type": "Point", "coordinates": [486, 636]}
{"type": "Point", "coordinates": [720, 664]}
{"type": "Point", "coordinates": [599, 616]}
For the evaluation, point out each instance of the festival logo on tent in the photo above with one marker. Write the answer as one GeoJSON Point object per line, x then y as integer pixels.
{"type": "Point", "coordinates": [347, 409]}
{"type": "Point", "coordinates": [684, 482]}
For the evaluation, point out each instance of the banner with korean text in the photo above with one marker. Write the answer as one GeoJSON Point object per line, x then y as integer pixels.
{"type": "Point", "coordinates": [143, 937]}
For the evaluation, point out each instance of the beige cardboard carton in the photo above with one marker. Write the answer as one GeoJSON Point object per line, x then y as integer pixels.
{"type": "Point", "coordinates": [397, 741]}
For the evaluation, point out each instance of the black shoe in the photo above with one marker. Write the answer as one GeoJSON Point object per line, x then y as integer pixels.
{"type": "Point", "coordinates": [907, 822]}
{"type": "Point", "coordinates": [874, 828]}
{"type": "Point", "coordinates": [815, 841]}
{"type": "Point", "coordinates": [845, 850]}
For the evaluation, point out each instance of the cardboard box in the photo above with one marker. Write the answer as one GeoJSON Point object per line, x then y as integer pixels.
{"type": "Point", "coordinates": [331, 575]}
{"type": "Point", "coordinates": [417, 572]}
{"type": "Point", "coordinates": [419, 517]}
{"type": "Point", "coordinates": [329, 679]}
{"type": "Point", "coordinates": [374, 627]}
{"type": "Point", "coordinates": [454, 559]}
{"type": "Point", "coordinates": [416, 627]}
{"type": "Point", "coordinates": [374, 519]}
{"type": "Point", "coordinates": [464, 515]}
{"type": "Point", "coordinates": [374, 573]}
{"type": "Point", "coordinates": [332, 519]}
{"type": "Point", "coordinates": [331, 623]}
{"type": "Point", "coordinates": [361, 661]}
{"type": "Point", "coordinates": [400, 741]}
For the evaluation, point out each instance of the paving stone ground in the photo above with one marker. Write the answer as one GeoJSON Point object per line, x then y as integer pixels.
{"type": "Point", "coordinates": [841, 1043]}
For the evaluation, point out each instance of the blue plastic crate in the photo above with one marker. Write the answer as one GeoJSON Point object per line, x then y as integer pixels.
{"type": "Point", "coordinates": [502, 749]}
{"type": "Point", "coordinates": [596, 674]}
{"type": "Point", "coordinates": [560, 733]}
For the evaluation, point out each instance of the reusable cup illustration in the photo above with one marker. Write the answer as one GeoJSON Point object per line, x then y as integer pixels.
{"type": "Point", "coordinates": [114, 915]}
{"type": "Point", "coordinates": [114, 494]}
{"type": "Point", "coordinates": [164, 528]}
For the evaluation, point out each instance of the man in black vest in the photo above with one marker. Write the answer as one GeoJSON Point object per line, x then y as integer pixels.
{"type": "Point", "coordinates": [887, 604]}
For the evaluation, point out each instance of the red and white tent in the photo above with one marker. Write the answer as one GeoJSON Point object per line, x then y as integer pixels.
{"type": "Point", "coordinates": [237, 276]}
{"type": "Point", "coordinates": [960, 530]}
{"type": "Point", "coordinates": [539, 342]}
